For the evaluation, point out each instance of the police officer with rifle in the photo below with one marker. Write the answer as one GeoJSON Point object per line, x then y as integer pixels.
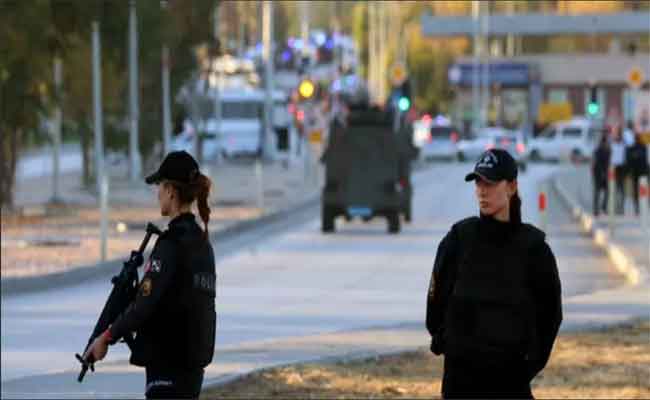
{"type": "Point", "coordinates": [172, 309]}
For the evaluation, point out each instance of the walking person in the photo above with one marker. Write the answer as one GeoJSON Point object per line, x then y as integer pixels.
{"type": "Point", "coordinates": [637, 165]}
{"type": "Point", "coordinates": [494, 305]}
{"type": "Point", "coordinates": [599, 171]}
{"type": "Point", "coordinates": [617, 161]}
{"type": "Point", "coordinates": [173, 314]}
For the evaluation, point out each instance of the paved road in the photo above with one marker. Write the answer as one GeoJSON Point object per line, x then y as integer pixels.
{"type": "Point", "coordinates": [279, 293]}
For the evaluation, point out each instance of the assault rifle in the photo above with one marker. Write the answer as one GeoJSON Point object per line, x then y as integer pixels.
{"type": "Point", "coordinates": [125, 288]}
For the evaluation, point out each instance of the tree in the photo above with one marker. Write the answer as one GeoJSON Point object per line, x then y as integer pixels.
{"type": "Point", "coordinates": [25, 70]}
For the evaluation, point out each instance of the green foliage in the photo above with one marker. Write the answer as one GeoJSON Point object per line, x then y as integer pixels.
{"type": "Point", "coordinates": [34, 32]}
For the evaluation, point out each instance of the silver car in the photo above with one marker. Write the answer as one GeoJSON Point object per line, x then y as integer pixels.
{"type": "Point", "coordinates": [440, 142]}
{"type": "Point", "coordinates": [494, 138]}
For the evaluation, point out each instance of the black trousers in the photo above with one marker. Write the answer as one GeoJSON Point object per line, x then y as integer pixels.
{"type": "Point", "coordinates": [601, 197]}
{"type": "Point", "coordinates": [485, 379]}
{"type": "Point", "coordinates": [635, 191]}
{"type": "Point", "coordinates": [173, 385]}
{"type": "Point", "coordinates": [620, 174]}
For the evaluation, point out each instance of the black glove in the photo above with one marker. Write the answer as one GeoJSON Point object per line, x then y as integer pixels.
{"type": "Point", "coordinates": [136, 259]}
{"type": "Point", "coordinates": [437, 345]}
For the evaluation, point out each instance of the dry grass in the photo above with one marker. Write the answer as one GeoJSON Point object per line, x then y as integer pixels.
{"type": "Point", "coordinates": [610, 363]}
{"type": "Point", "coordinates": [80, 226]}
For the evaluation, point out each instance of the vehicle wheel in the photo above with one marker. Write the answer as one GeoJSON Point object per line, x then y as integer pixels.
{"type": "Point", "coordinates": [327, 220]}
{"type": "Point", "coordinates": [461, 156]}
{"type": "Point", "coordinates": [522, 167]}
{"type": "Point", "coordinates": [393, 222]}
{"type": "Point", "coordinates": [407, 212]}
{"type": "Point", "coordinates": [534, 156]}
{"type": "Point", "coordinates": [576, 156]}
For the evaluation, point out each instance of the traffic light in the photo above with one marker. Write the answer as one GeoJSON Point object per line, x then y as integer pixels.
{"type": "Point", "coordinates": [404, 100]}
{"type": "Point", "coordinates": [593, 107]}
{"type": "Point", "coordinates": [404, 103]}
{"type": "Point", "coordinates": [306, 89]}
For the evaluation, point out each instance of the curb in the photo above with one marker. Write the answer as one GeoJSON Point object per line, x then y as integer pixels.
{"type": "Point", "coordinates": [349, 357]}
{"type": "Point", "coordinates": [623, 262]}
{"type": "Point", "coordinates": [14, 285]}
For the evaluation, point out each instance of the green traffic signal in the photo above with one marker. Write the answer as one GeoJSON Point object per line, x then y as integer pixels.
{"type": "Point", "coordinates": [404, 103]}
{"type": "Point", "coordinates": [593, 108]}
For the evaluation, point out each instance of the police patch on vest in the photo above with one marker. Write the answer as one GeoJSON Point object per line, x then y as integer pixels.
{"type": "Point", "coordinates": [205, 282]}
{"type": "Point", "coordinates": [156, 265]}
{"type": "Point", "coordinates": [145, 287]}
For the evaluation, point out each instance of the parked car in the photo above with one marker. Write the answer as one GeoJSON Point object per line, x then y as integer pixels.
{"type": "Point", "coordinates": [440, 142]}
{"type": "Point", "coordinates": [490, 138]}
{"type": "Point", "coordinates": [569, 140]}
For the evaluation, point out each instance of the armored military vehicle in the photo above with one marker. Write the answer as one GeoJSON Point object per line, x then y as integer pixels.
{"type": "Point", "coordinates": [367, 170]}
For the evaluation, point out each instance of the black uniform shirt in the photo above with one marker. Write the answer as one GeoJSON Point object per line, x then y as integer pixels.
{"type": "Point", "coordinates": [159, 271]}
{"type": "Point", "coordinates": [544, 278]}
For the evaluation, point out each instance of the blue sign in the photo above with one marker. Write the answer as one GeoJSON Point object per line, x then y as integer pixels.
{"type": "Point", "coordinates": [505, 74]}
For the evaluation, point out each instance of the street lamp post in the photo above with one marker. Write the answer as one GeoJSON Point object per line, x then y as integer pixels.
{"type": "Point", "coordinates": [134, 151]}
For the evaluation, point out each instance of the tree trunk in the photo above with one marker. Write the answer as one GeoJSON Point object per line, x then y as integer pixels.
{"type": "Point", "coordinates": [85, 153]}
{"type": "Point", "coordinates": [10, 141]}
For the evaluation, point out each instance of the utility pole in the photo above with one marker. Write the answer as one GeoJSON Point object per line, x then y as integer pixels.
{"type": "Point", "coordinates": [100, 174]}
{"type": "Point", "coordinates": [304, 25]}
{"type": "Point", "coordinates": [56, 129]}
{"type": "Point", "coordinates": [97, 105]}
{"type": "Point", "coordinates": [381, 75]}
{"type": "Point", "coordinates": [134, 151]}
{"type": "Point", "coordinates": [217, 84]}
{"type": "Point", "coordinates": [267, 21]}
{"type": "Point", "coordinates": [372, 55]}
{"type": "Point", "coordinates": [485, 100]}
{"type": "Point", "coordinates": [476, 101]}
{"type": "Point", "coordinates": [166, 103]}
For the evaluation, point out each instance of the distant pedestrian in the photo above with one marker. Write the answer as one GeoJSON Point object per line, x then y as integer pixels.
{"type": "Point", "coordinates": [637, 165]}
{"type": "Point", "coordinates": [628, 134]}
{"type": "Point", "coordinates": [599, 171]}
{"type": "Point", "coordinates": [494, 305]}
{"type": "Point", "coordinates": [617, 161]}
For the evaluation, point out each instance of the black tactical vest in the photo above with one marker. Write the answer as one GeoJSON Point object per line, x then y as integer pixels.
{"type": "Point", "coordinates": [490, 311]}
{"type": "Point", "coordinates": [180, 335]}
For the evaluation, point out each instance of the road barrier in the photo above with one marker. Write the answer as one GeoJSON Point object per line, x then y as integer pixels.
{"type": "Point", "coordinates": [541, 202]}
{"type": "Point", "coordinates": [644, 198]}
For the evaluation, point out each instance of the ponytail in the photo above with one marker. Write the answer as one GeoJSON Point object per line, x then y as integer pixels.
{"type": "Point", "coordinates": [515, 208]}
{"type": "Point", "coordinates": [202, 192]}
{"type": "Point", "coordinates": [198, 189]}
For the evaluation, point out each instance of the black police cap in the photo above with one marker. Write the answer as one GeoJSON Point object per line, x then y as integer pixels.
{"type": "Point", "coordinates": [177, 166]}
{"type": "Point", "coordinates": [494, 165]}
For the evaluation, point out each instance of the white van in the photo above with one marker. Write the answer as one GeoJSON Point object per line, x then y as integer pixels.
{"type": "Point", "coordinates": [242, 120]}
{"type": "Point", "coordinates": [575, 139]}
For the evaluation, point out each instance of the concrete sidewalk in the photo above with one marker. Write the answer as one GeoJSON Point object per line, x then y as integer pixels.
{"type": "Point", "coordinates": [628, 246]}
{"type": "Point", "coordinates": [44, 240]}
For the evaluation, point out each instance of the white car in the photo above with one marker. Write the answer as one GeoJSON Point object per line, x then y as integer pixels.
{"type": "Point", "coordinates": [568, 140]}
{"type": "Point", "coordinates": [494, 138]}
{"type": "Point", "coordinates": [436, 141]}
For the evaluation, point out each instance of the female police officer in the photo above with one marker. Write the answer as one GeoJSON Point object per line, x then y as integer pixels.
{"type": "Point", "coordinates": [173, 314]}
{"type": "Point", "coordinates": [494, 305]}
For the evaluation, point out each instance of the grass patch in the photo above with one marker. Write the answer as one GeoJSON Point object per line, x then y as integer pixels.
{"type": "Point", "coordinates": [605, 363]}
